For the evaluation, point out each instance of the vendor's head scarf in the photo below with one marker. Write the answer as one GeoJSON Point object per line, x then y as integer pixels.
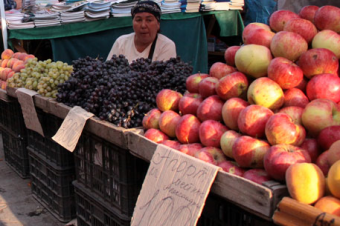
{"type": "Point", "coordinates": [148, 7]}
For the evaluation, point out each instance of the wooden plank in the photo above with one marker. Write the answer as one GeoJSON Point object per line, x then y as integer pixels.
{"type": "Point", "coordinates": [11, 91]}
{"type": "Point", "coordinates": [140, 146]}
{"type": "Point", "coordinates": [4, 96]}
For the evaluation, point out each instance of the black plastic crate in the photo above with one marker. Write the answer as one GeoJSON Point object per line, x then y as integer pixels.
{"type": "Point", "coordinates": [11, 118]}
{"type": "Point", "coordinates": [110, 172]}
{"type": "Point", "coordinates": [221, 212]}
{"type": "Point", "coordinates": [52, 187]}
{"type": "Point", "coordinates": [16, 153]}
{"type": "Point", "coordinates": [93, 211]}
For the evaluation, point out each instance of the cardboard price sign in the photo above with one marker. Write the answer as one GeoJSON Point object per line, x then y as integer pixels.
{"type": "Point", "coordinates": [25, 98]}
{"type": "Point", "coordinates": [174, 190]}
{"type": "Point", "coordinates": [70, 130]}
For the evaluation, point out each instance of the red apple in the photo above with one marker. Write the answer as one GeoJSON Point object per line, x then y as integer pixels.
{"type": "Point", "coordinates": [303, 27]}
{"type": "Point", "coordinates": [307, 12]}
{"type": "Point", "coordinates": [294, 112]}
{"type": "Point", "coordinates": [328, 136]}
{"type": "Point", "coordinates": [252, 120]}
{"type": "Point", "coordinates": [248, 152]}
{"type": "Point", "coordinates": [168, 122]}
{"type": "Point", "coordinates": [259, 56]}
{"type": "Point", "coordinates": [285, 72]}
{"type": "Point", "coordinates": [189, 103]}
{"type": "Point", "coordinates": [231, 110]}
{"type": "Point", "coordinates": [172, 144]}
{"type": "Point", "coordinates": [193, 81]}
{"type": "Point", "coordinates": [295, 97]}
{"type": "Point", "coordinates": [227, 141]}
{"type": "Point", "coordinates": [257, 175]}
{"type": "Point", "coordinates": [190, 149]}
{"type": "Point", "coordinates": [281, 129]}
{"type": "Point", "coordinates": [231, 167]}
{"type": "Point", "coordinates": [229, 55]}
{"type": "Point", "coordinates": [151, 119]}
{"type": "Point", "coordinates": [318, 61]}
{"type": "Point", "coordinates": [187, 129]}
{"type": "Point", "coordinates": [205, 157]}
{"type": "Point", "coordinates": [312, 147]}
{"type": "Point", "coordinates": [253, 26]}
{"type": "Point", "coordinates": [319, 114]}
{"type": "Point", "coordinates": [232, 85]}
{"type": "Point", "coordinates": [324, 86]}
{"type": "Point", "coordinates": [258, 36]}
{"type": "Point", "coordinates": [210, 133]}
{"type": "Point", "coordinates": [279, 157]}
{"type": "Point", "coordinates": [265, 92]}
{"type": "Point", "coordinates": [168, 99]}
{"type": "Point", "coordinates": [156, 135]}
{"type": "Point", "coordinates": [323, 163]}
{"type": "Point", "coordinates": [279, 18]}
{"type": "Point", "coordinates": [210, 108]}
{"type": "Point", "coordinates": [216, 153]}
{"type": "Point", "coordinates": [219, 70]}
{"type": "Point", "coordinates": [328, 18]}
{"type": "Point", "coordinates": [327, 39]}
{"type": "Point", "coordinates": [206, 87]}
{"type": "Point", "coordinates": [289, 45]}
{"type": "Point", "coordinates": [302, 85]}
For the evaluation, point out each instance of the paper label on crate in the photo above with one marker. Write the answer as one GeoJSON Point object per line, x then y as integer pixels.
{"type": "Point", "coordinates": [25, 98]}
{"type": "Point", "coordinates": [70, 130]}
{"type": "Point", "coordinates": [174, 190]}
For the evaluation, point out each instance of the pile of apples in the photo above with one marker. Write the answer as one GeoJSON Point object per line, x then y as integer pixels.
{"type": "Point", "coordinates": [10, 63]}
{"type": "Point", "coordinates": [274, 104]}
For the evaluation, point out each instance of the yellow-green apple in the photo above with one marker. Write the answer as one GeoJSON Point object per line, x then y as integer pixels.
{"type": "Point", "coordinates": [327, 18]}
{"type": "Point", "coordinates": [285, 72]}
{"type": "Point", "coordinates": [279, 18]}
{"type": "Point", "coordinates": [227, 141]}
{"type": "Point", "coordinates": [303, 27]}
{"type": "Point", "coordinates": [295, 97]}
{"type": "Point", "coordinates": [308, 12]}
{"type": "Point", "coordinates": [168, 122]}
{"type": "Point", "coordinates": [207, 153]}
{"type": "Point", "coordinates": [281, 129]}
{"type": "Point", "coordinates": [312, 147]}
{"type": "Point", "coordinates": [7, 54]}
{"type": "Point", "coordinates": [289, 45]}
{"type": "Point", "coordinates": [319, 114]}
{"type": "Point", "coordinates": [231, 167]}
{"type": "Point", "coordinates": [168, 99]}
{"type": "Point", "coordinates": [318, 61]}
{"type": "Point", "coordinates": [257, 175]}
{"type": "Point", "coordinates": [252, 120]}
{"type": "Point", "coordinates": [172, 144]}
{"type": "Point", "coordinates": [187, 129]}
{"type": "Point", "coordinates": [232, 85]}
{"type": "Point", "coordinates": [323, 163]}
{"type": "Point", "coordinates": [294, 112]}
{"type": "Point", "coordinates": [265, 92]}
{"type": "Point", "coordinates": [229, 55]}
{"type": "Point", "coordinates": [210, 108]}
{"type": "Point", "coordinates": [156, 135]}
{"type": "Point", "coordinates": [231, 110]}
{"type": "Point", "coordinates": [219, 69]}
{"type": "Point", "coordinates": [210, 133]}
{"type": "Point", "coordinates": [151, 119]}
{"type": "Point", "coordinates": [192, 82]}
{"type": "Point", "coordinates": [328, 136]}
{"type": "Point", "coordinates": [258, 36]}
{"type": "Point", "coordinates": [253, 60]}
{"type": "Point", "coordinates": [249, 152]}
{"type": "Point", "coordinates": [279, 157]}
{"type": "Point", "coordinates": [189, 103]}
{"type": "Point", "coordinates": [206, 87]}
{"type": "Point", "coordinates": [190, 149]}
{"type": "Point", "coordinates": [334, 153]}
{"type": "Point", "coordinates": [327, 39]}
{"type": "Point", "coordinates": [324, 86]}
{"type": "Point", "coordinates": [253, 26]}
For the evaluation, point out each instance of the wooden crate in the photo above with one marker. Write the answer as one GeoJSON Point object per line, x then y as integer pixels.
{"type": "Point", "coordinates": [261, 200]}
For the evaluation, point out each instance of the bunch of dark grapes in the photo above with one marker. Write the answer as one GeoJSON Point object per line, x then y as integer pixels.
{"type": "Point", "coordinates": [120, 92]}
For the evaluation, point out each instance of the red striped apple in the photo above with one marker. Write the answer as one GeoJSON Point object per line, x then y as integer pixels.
{"type": "Point", "coordinates": [232, 85]}
{"type": "Point", "coordinates": [323, 163]}
{"type": "Point", "coordinates": [210, 133]}
{"type": "Point", "coordinates": [190, 149]}
{"type": "Point", "coordinates": [231, 167]}
{"type": "Point", "coordinates": [189, 103]}
{"type": "Point", "coordinates": [231, 110]}
{"type": "Point", "coordinates": [328, 136]}
{"type": "Point", "coordinates": [279, 18]}
{"type": "Point", "coordinates": [156, 135]}
{"type": "Point", "coordinates": [327, 39]}
{"type": "Point", "coordinates": [227, 141]}
{"type": "Point", "coordinates": [303, 27]}
{"type": "Point", "coordinates": [294, 112]}
{"type": "Point", "coordinates": [324, 86]}
{"type": "Point", "coordinates": [295, 97]}
{"type": "Point", "coordinates": [229, 55]}
{"type": "Point", "coordinates": [168, 122]}
{"type": "Point", "coordinates": [312, 147]}
{"type": "Point", "coordinates": [151, 119]}
{"type": "Point", "coordinates": [219, 70]}
{"type": "Point", "coordinates": [206, 87]}
{"type": "Point", "coordinates": [168, 99]}
{"type": "Point", "coordinates": [328, 18]}
{"type": "Point", "coordinates": [193, 80]}
{"type": "Point", "coordinates": [308, 12]}
{"type": "Point", "coordinates": [172, 144]}
{"type": "Point", "coordinates": [258, 176]}
{"type": "Point", "coordinates": [210, 108]}
{"type": "Point", "coordinates": [187, 129]}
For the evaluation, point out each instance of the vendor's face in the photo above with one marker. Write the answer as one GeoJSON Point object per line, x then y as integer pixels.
{"type": "Point", "coordinates": [146, 27]}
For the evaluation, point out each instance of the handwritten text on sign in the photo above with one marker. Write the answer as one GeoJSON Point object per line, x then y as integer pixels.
{"type": "Point", "coordinates": [174, 190]}
{"type": "Point", "coordinates": [71, 128]}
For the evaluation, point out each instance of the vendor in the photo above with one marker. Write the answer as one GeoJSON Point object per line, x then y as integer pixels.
{"type": "Point", "coordinates": [145, 41]}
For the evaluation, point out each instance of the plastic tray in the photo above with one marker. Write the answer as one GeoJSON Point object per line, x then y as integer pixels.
{"type": "Point", "coordinates": [11, 118]}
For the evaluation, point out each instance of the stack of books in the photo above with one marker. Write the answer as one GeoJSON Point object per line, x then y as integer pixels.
{"type": "Point", "coordinates": [236, 4]}
{"type": "Point", "coordinates": [170, 6]}
{"type": "Point", "coordinates": [72, 17]}
{"type": "Point", "coordinates": [15, 19]}
{"type": "Point", "coordinates": [123, 8]}
{"type": "Point", "coordinates": [190, 6]}
{"type": "Point", "coordinates": [46, 18]}
{"type": "Point", "coordinates": [207, 5]}
{"type": "Point", "coordinates": [97, 10]}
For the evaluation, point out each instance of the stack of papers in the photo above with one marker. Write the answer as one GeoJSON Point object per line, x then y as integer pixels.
{"type": "Point", "coordinates": [193, 6]}
{"type": "Point", "coordinates": [15, 20]}
{"type": "Point", "coordinates": [170, 7]}
{"type": "Point", "coordinates": [236, 4]}
{"type": "Point", "coordinates": [72, 17]}
{"type": "Point", "coordinates": [222, 6]}
{"type": "Point", "coordinates": [207, 5]}
{"type": "Point", "coordinates": [46, 18]}
{"type": "Point", "coordinates": [123, 8]}
{"type": "Point", "coordinates": [97, 10]}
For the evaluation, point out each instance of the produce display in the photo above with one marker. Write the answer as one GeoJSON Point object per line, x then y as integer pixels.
{"type": "Point", "coordinates": [271, 112]}
{"type": "Point", "coordinates": [120, 92]}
